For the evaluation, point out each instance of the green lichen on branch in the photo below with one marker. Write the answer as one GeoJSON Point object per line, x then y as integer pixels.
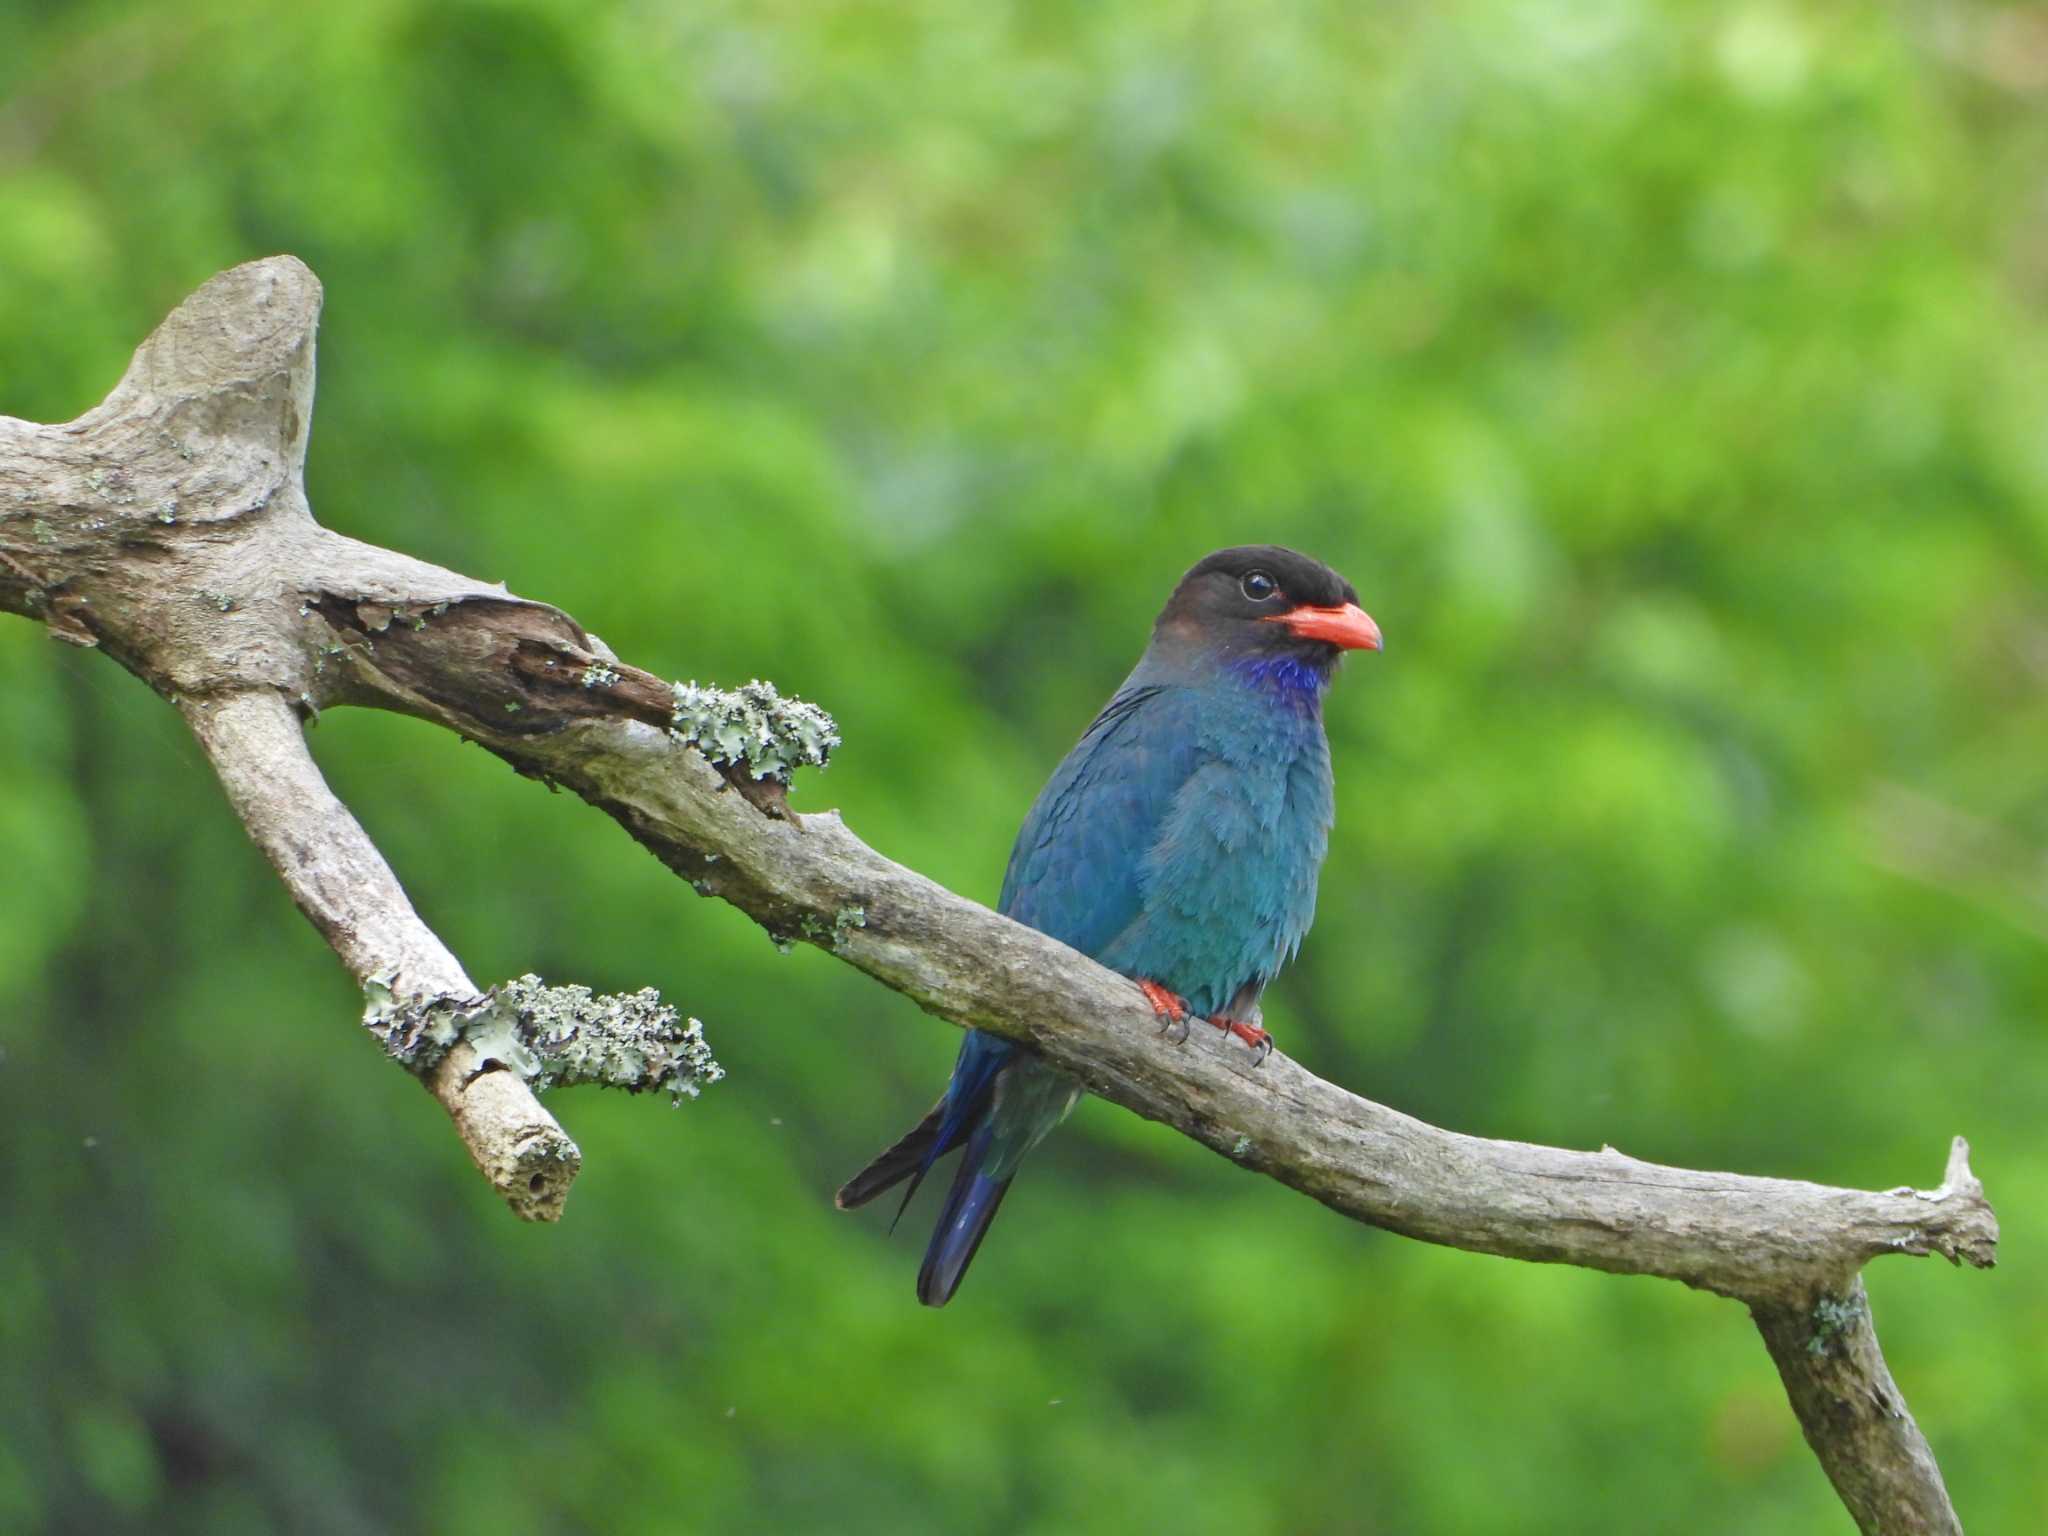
{"type": "Point", "coordinates": [753, 728]}
{"type": "Point", "coordinates": [553, 1037]}
{"type": "Point", "coordinates": [827, 935]}
{"type": "Point", "coordinates": [1832, 1317]}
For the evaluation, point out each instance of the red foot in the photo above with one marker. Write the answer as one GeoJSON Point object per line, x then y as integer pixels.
{"type": "Point", "coordinates": [1250, 1034]}
{"type": "Point", "coordinates": [1171, 1007]}
{"type": "Point", "coordinates": [1172, 1010]}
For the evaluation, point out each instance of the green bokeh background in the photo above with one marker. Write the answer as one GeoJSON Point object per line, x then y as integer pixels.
{"type": "Point", "coordinates": [1666, 377]}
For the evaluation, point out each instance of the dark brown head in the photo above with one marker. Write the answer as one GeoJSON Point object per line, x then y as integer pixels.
{"type": "Point", "coordinates": [1260, 601]}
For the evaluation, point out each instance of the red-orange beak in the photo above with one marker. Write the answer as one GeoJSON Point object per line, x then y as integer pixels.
{"type": "Point", "coordinates": [1349, 627]}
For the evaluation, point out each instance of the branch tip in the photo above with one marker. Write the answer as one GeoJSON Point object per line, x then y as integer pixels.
{"type": "Point", "coordinates": [1957, 1175]}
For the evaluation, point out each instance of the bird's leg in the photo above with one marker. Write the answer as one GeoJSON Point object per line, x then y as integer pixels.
{"type": "Point", "coordinates": [1249, 1032]}
{"type": "Point", "coordinates": [1171, 1008]}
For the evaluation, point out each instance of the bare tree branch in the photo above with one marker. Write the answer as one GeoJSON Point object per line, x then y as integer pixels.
{"type": "Point", "coordinates": [347, 891]}
{"type": "Point", "coordinates": [169, 527]}
{"type": "Point", "coordinates": [1854, 1416]}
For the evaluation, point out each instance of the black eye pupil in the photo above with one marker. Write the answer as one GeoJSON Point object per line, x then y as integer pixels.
{"type": "Point", "coordinates": [1258, 586]}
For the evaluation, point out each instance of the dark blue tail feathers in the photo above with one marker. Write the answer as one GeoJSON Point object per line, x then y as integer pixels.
{"type": "Point", "coordinates": [970, 1206]}
{"type": "Point", "coordinates": [909, 1159]}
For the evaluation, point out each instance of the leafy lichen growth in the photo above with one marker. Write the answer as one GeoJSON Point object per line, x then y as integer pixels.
{"type": "Point", "coordinates": [598, 675]}
{"type": "Point", "coordinates": [553, 1037]}
{"type": "Point", "coordinates": [754, 727]}
{"type": "Point", "coordinates": [1833, 1316]}
{"type": "Point", "coordinates": [829, 935]}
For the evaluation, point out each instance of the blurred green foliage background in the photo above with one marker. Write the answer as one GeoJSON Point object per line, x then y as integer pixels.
{"type": "Point", "coordinates": [1668, 379]}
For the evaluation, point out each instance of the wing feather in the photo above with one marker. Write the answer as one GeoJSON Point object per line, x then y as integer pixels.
{"type": "Point", "coordinates": [1080, 856]}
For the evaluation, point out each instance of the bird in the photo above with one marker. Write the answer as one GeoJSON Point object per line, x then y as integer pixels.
{"type": "Point", "coordinates": [1178, 843]}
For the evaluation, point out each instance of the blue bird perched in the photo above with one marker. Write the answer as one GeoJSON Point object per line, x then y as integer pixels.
{"type": "Point", "coordinates": [1178, 843]}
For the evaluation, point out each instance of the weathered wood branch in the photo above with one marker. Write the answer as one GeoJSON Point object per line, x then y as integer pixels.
{"type": "Point", "coordinates": [1852, 1412]}
{"type": "Point", "coordinates": [347, 891]}
{"type": "Point", "coordinates": [169, 527]}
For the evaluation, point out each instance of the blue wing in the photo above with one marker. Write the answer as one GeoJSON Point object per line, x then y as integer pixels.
{"type": "Point", "coordinates": [1075, 872]}
{"type": "Point", "coordinates": [1076, 867]}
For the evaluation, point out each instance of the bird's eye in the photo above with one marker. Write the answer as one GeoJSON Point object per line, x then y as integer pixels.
{"type": "Point", "coordinates": [1258, 586]}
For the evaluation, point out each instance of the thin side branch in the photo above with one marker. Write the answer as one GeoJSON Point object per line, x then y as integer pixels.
{"type": "Point", "coordinates": [169, 527]}
{"type": "Point", "coordinates": [1854, 1416]}
{"type": "Point", "coordinates": [1852, 1412]}
{"type": "Point", "coordinates": [347, 891]}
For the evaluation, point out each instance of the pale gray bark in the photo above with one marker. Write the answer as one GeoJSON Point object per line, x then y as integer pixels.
{"type": "Point", "coordinates": [169, 527]}
{"type": "Point", "coordinates": [345, 888]}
